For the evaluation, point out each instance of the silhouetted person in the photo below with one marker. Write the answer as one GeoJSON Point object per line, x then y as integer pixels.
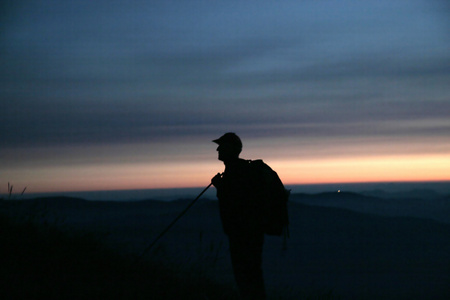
{"type": "Point", "coordinates": [238, 195]}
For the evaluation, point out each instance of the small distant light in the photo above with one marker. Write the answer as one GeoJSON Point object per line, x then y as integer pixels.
{"type": "Point", "coordinates": [339, 191]}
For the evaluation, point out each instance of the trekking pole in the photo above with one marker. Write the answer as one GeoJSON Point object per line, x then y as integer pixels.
{"type": "Point", "coordinates": [170, 225]}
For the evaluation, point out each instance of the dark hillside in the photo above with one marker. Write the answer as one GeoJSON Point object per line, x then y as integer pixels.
{"type": "Point", "coordinates": [333, 252]}
{"type": "Point", "coordinates": [40, 261]}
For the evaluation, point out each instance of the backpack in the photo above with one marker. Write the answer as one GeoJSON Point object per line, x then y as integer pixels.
{"type": "Point", "coordinates": [275, 218]}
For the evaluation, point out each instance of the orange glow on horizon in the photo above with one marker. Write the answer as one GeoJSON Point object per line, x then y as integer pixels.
{"type": "Point", "coordinates": [366, 169]}
{"type": "Point", "coordinates": [412, 168]}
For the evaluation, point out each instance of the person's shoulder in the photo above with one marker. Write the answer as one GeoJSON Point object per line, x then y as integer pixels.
{"type": "Point", "coordinates": [258, 163]}
{"type": "Point", "coordinates": [260, 167]}
{"type": "Point", "coordinates": [254, 165]}
{"type": "Point", "coordinates": [244, 162]}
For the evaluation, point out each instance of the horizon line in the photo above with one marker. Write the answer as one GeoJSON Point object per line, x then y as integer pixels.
{"type": "Point", "coordinates": [196, 187]}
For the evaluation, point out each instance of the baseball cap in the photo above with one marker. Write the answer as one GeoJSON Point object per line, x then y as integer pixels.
{"type": "Point", "coordinates": [229, 138]}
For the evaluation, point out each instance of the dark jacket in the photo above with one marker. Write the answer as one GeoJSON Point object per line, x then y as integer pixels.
{"type": "Point", "coordinates": [239, 194]}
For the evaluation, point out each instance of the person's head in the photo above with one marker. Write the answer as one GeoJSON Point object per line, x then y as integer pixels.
{"type": "Point", "coordinates": [230, 146]}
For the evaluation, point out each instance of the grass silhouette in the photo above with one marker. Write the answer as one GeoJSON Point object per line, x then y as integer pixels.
{"type": "Point", "coordinates": [41, 261]}
{"type": "Point", "coordinates": [10, 192]}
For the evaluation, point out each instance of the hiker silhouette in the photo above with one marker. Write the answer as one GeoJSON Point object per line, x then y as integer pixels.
{"type": "Point", "coordinates": [238, 194]}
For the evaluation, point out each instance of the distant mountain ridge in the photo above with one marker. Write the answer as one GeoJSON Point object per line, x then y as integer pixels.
{"type": "Point", "coordinates": [436, 208]}
{"type": "Point", "coordinates": [332, 195]}
{"type": "Point", "coordinates": [427, 194]}
{"type": "Point", "coordinates": [413, 203]}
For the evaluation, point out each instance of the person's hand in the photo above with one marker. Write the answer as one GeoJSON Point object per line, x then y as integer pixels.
{"type": "Point", "coordinates": [217, 180]}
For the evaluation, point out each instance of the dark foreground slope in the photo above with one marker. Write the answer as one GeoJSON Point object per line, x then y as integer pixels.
{"type": "Point", "coordinates": [333, 253]}
{"type": "Point", "coordinates": [39, 260]}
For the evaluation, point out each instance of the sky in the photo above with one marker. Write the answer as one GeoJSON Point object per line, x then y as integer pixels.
{"type": "Point", "coordinates": [111, 95]}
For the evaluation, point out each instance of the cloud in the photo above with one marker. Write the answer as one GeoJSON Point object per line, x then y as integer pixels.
{"type": "Point", "coordinates": [113, 73]}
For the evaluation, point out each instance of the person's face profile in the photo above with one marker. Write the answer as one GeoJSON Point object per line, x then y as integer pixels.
{"type": "Point", "coordinates": [227, 152]}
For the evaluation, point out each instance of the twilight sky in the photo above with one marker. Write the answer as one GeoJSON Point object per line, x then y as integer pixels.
{"type": "Point", "coordinates": [105, 95]}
